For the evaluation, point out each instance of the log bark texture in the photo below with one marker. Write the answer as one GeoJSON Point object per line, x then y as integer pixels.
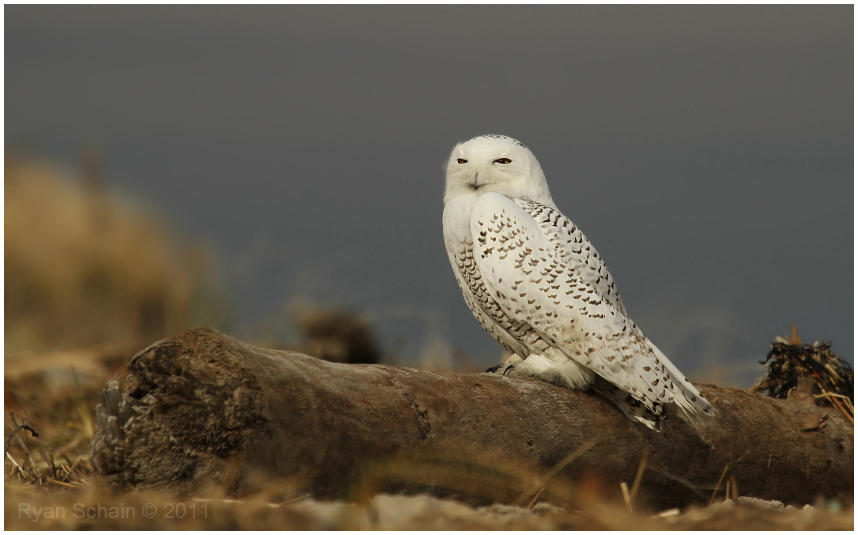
{"type": "Point", "coordinates": [204, 412]}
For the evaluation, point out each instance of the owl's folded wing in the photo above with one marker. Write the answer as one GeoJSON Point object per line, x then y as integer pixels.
{"type": "Point", "coordinates": [536, 280]}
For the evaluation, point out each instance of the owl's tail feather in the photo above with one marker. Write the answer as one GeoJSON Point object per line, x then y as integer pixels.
{"type": "Point", "coordinates": [689, 404]}
{"type": "Point", "coordinates": [692, 407]}
{"type": "Point", "coordinates": [632, 408]}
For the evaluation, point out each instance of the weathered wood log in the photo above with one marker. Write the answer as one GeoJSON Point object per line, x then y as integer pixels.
{"type": "Point", "coordinates": [202, 411]}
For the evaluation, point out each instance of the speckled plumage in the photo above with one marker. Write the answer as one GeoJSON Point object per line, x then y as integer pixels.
{"type": "Point", "coordinates": [538, 286]}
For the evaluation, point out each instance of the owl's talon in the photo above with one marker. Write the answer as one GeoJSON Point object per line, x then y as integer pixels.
{"type": "Point", "coordinates": [502, 369]}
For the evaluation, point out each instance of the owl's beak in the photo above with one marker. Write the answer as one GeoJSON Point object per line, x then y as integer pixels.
{"type": "Point", "coordinates": [476, 183]}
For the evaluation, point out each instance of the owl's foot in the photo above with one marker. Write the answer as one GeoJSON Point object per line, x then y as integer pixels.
{"type": "Point", "coordinates": [501, 369]}
{"type": "Point", "coordinates": [566, 374]}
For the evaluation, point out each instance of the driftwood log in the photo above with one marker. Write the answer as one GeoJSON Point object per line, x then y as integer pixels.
{"type": "Point", "coordinates": [204, 412]}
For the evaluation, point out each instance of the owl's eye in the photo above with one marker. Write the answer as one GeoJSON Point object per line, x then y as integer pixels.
{"type": "Point", "coordinates": [462, 160]}
{"type": "Point", "coordinates": [503, 161]}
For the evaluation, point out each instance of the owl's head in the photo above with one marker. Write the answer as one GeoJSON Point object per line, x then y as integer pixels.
{"type": "Point", "coordinates": [495, 163]}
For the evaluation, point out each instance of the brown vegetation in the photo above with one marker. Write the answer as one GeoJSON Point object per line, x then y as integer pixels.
{"type": "Point", "coordinates": [808, 371]}
{"type": "Point", "coordinates": [85, 267]}
{"type": "Point", "coordinates": [337, 335]}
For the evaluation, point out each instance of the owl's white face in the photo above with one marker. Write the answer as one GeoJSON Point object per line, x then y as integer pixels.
{"type": "Point", "coordinates": [495, 163]}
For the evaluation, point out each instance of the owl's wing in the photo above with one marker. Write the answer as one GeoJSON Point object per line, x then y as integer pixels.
{"type": "Point", "coordinates": [543, 280]}
{"type": "Point", "coordinates": [574, 249]}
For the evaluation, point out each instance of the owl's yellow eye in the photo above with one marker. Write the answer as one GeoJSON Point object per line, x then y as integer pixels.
{"type": "Point", "coordinates": [503, 161]}
{"type": "Point", "coordinates": [462, 160]}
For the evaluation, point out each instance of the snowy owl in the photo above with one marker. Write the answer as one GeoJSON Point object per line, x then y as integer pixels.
{"type": "Point", "coordinates": [539, 287]}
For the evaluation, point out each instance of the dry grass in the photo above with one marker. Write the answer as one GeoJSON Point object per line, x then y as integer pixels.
{"type": "Point", "coordinates": [86, 267]}
{"type": "Point", "coordinates": [91, 509]}
{"type": "Point", "coordinates": [798, 369]}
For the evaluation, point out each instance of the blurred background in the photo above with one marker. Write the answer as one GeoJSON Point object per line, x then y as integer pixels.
{"type": "Point", "coordinates": [276, 171]}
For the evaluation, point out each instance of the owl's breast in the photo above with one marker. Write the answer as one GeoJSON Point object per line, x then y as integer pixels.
{"type": "Point", "coordinates": [511, 334]}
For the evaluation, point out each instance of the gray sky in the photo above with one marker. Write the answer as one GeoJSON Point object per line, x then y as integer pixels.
{"type": "Point", "coordinates": [705, 150]}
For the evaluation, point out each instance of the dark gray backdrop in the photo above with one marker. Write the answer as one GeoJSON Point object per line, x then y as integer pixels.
{"type": "Point", "coordinates": [705, 150]}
